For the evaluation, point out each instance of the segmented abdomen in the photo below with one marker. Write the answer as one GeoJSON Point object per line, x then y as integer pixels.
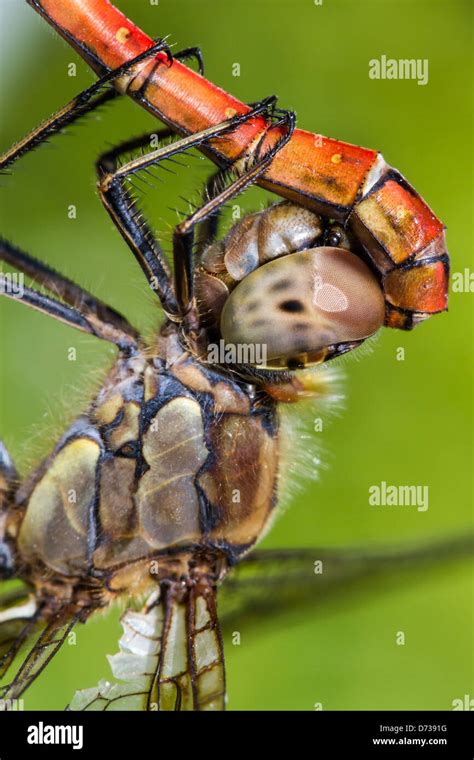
{"type": "Point", "coordinates": [400, 233]}
{"type": "Point", "coordinates": [403, 238]}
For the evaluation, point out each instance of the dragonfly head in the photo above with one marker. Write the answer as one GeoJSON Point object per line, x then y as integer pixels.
{"type": "Point", "coordinates": [285, 282]}
{"type": "Point", "coordinates": [309, 306]}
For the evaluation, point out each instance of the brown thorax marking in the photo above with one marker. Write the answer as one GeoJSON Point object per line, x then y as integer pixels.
{"type": "Point", "coordinates": [165, 439]}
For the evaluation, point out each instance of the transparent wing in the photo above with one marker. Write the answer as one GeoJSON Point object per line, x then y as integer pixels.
{"type": "Point", "coordinates": [17, 623]}
{"type": "Point", "coordinates": [170, 658]}
{"type": "Point", "coordinates": [171, 654]}
{"type": "Point", "coordinates": [272, 582]}
{"type": "Point", "coordinates": [24, 625]}
{"type": "Point", "coordinates": [52, 636]}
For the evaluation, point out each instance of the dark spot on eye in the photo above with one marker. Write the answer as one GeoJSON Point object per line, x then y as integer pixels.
{"type": "Point", "coordinates": [292, 306]}
{"type": "Point", "coordinates": [252, 305]}
{"type": "Point", "coordinates": [295, 363]}
{"type": "Point", "coordinates": [280, 285]}
{"type": "Point", "coordinates": [300, 326]}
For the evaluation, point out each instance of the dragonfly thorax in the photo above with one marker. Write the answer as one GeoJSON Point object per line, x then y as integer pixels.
{"type": "Point", "coordinates": [172, 462]}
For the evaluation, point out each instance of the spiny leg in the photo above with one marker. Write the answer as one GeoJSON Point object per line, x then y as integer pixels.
{"type": "Point", "coordinates": [134, 229]}
{"type": "Point", "coordinates": [91, 98]}
{"type": "Point", "coordinates": [65, 116]}
{"type": "Point", "coordinates": [136, 232]}
{"type": "Point", "coordinates": [183, 238]}
{"type": "Point", "coordinates": [80, 299]}
{"type": "Point", "coordinates": [209, 228]}
{"type": "Point", "coordinates": [191, 52]}
{"type": "Point", "coordinates": [109, 160]}
{"type": "Point", "coordinates": [80, 310]}
{"type": "Point", "coordinates": [154, 263]}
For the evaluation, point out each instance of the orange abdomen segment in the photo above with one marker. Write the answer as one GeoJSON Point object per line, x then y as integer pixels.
{"type": "Point", "coordinates": [181, 98]}
{"type": "Point", "coordinates": [398, 223]}
{"type": "Point", "coordinates": [317, 171]}
{"type": "Point", "coordinates": [423, 290]}
{"type": "Point", "coordinates": [325, 173]}
{"type": "Point", "coordinates": [343, 181]}
{"type": "Point", "coordinates": [406, 243]}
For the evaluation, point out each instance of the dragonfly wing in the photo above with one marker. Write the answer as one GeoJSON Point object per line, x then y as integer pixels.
{"type": "Point", "coordinates": [17, 632]}
{"type": "Point", "coordinates": [17, 607]}
{"type": "Point", "coordinates": [170, 658]}
{"type": "Point", "coordinates": [18, 622]}
{"type": "Point", "coordinates": [275, 581]}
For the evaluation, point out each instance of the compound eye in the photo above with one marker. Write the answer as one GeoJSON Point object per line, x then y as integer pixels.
{"type": "Point", "coordinates": [298, 306]}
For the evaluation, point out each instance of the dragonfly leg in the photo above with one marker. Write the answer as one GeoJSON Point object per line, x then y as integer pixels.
{"type": "Point", "coordinates": [183, 238]}
{"type": "Point", "coordinates": [87, 100]}
{"type": "Point", "coordinates": [77, 307]}
{"type": "Point", "coordinates": [136, 232]}
{"type": "Point", "coordinates": [209, 228]}
{"type": "Point", "coordinates": [130, 222]}
{"type": "Point", "coordinates": [191, 52]}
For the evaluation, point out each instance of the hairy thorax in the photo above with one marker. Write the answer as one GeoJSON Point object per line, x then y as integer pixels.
{"type": "Point", "coordinates": [173, 465]}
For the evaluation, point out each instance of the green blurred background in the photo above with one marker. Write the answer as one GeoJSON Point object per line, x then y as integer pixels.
{"type": "Point", "coordinates": [404, 422]}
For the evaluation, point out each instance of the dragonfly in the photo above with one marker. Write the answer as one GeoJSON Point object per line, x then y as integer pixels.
{"type": "Point", "coordinates": [163, 486]}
